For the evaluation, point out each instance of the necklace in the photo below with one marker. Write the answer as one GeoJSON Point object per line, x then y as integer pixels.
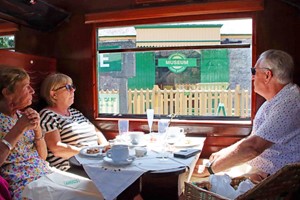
{"type": "Point", "coordinates": [63, 113]}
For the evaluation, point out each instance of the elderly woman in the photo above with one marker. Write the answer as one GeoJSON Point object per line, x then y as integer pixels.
{"type": "Point", "coordinates": [66, 129]}
{"type": "Point", "coordinates": [22, 146]}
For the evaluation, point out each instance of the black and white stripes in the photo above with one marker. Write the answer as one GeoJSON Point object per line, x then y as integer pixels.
{"type": "Point", "coordinates": [74, 130]}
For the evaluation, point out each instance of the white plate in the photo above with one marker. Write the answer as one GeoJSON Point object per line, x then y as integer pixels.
{"type": "Point", "coordinates": [186, 144]}
{"type": "Point", "coordinates": [128, 161]}
{"type": "Point", "coordinates": [83, 151]}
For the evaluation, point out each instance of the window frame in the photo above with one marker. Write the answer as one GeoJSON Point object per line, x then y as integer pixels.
{"type": "Point", "coordinates": [8, 29]}
{"type": "Point", "coordinates": [103, 20]}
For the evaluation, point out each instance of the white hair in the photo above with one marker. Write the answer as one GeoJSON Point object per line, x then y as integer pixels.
{"type": "Point", "coordinates": [280, 63]}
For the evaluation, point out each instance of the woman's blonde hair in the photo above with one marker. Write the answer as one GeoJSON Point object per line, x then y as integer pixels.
{"type": "Point", "coordinates": [51, 83]}
{"type": "Point", "coordinates": [9, 76]}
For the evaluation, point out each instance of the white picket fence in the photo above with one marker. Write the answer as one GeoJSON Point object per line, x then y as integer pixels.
{"type": "Point", "coordinates": [196, 102]}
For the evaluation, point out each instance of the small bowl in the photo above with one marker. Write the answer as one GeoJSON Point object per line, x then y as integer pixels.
{"type": "Point", "coordinates": [136, 137]}
{"type": "Point", "coordinates": [140, 151]}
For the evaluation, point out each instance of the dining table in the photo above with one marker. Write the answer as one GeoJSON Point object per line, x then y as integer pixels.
{"type": "Point", "coordinates": [155, 175]}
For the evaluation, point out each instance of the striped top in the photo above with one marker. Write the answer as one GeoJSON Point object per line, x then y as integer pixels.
{"type": "Point", "coordinates": [74, 130]}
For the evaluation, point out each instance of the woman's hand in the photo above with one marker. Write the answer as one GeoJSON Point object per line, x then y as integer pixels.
{"type": "Point", "coordinates": [30, 119]}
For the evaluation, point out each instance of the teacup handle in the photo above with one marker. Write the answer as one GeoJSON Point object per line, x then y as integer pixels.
{"type": "Point", "coordinates": [108, 153]}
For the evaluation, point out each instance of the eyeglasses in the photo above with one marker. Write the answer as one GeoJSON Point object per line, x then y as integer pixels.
{"type": "Point", "coordinates": [253, 70]}
{"type": "Point", "coordinates": [68, 87]}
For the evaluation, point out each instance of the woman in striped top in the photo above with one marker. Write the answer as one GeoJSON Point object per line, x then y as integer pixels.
{"type": "Point", "coordinates": [66, 129]}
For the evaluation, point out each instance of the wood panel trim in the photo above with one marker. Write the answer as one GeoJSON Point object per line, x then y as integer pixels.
{"type": "Point", "coordinates": [8, 28]}
{"type": "Point", "coordinates": [148, 2]}
{"type": "Point", "coordinates": [18, 59]}
{"type": "Point", "coordinates": [176, 11]}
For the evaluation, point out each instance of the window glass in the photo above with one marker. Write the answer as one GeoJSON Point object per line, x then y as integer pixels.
{"type": "Point", "coordinates": [7, 42]}
{"type": "Point", "coordinates": [189, 82]}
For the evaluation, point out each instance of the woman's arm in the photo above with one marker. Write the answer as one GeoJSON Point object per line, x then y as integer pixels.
{"type": "Point", "coordinates": [40, 143]}
{"type": "Point", "coordinates": [58, 148]}
{"type": "Point", "coordinates": [10, 140]}
{"type": "Point", "coordinates": [34, 123]}
{"type": "Point", "coordinates": [29, 120]}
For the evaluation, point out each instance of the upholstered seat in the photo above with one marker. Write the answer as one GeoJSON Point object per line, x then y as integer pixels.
{"type": "Point", "coordinates": [4, 191]}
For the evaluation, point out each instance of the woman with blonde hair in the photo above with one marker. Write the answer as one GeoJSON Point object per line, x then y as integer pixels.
{"type": "Point", "coordinates": [66, 129]}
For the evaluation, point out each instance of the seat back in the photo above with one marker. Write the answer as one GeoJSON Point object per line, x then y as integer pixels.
{"type": "Point", "coordinates": [37, 67]}
{"type": "Point", "coordinates": [281, 184]}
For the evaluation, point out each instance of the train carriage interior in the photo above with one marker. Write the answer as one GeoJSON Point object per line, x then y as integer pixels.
{"type": "Point", "coordinates": [126, 56]}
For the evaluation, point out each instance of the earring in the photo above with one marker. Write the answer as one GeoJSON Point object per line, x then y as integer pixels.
{"type": "Point", "coordinates": [11, 105]}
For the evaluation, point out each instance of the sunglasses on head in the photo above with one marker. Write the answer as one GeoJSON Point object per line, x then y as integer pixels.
{"type": "Point", "coordinates": [253, 70]}
{"type": "Point", "coordinates": [68, 87]}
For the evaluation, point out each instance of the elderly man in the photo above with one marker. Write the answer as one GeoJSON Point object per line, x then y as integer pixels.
{"type": "Point", "coordinates": [275, 138]}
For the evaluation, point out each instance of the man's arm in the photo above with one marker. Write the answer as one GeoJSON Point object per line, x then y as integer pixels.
{"type": "Point", "coordinates": [237, 154]}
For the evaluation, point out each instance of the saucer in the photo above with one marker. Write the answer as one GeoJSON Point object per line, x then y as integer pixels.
{"type": "Point", "coordinates": [128, 161]}
{"type": "Point", "coordinates": [142, 144]}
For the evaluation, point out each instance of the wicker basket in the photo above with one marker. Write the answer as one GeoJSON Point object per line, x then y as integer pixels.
{"type": "Point", "coordinates": [280, 185]}
{"type": "Point", "coordinates": [198, 190]}
{"type": "Point", "coordinates": [193, 192]}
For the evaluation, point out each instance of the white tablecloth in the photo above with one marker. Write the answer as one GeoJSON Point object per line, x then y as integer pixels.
{"type": "Point", "coordinates": [112, 180]}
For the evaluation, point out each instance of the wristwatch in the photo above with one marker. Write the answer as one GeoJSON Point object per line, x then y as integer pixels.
{"type": "Point", "coordinates": [208, 166]}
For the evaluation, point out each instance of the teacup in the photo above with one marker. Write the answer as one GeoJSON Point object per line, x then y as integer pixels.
{"type": "Point", "coordinates": [136, 137]}
{"type": "Point", "coordinates": [118, 153]}
{"type": "Point", "coordinates": [175, 134]}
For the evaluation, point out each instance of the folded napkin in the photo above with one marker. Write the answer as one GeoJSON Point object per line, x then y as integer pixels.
{"type": "Point", "coordinates": [112, 180]}
{"type": "Point", "coordinates": [61, 185]}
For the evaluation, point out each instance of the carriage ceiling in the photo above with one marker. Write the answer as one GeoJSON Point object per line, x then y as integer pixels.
{"type": "Point", "coordinates": [45, 15]}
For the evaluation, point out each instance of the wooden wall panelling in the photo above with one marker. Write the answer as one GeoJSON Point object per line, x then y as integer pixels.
{"type": "Point", "coordinates": [278, 28]}
{"type": "Point", "coordinates": [176, 11]}
{"type": "Point", "coordinates": [76, 59]}
{"type": "Point", "coordinates": [37, 67]}
{"type": "Point", "coordinates": [72, 46]}
{"type": "Point", "coordinates": [8, 28]}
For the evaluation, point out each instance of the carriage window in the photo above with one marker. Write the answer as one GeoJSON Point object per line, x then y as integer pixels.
{"type": "Point", "coordinates": [7, 42]}
{"type": "Point", "coordinates": [193, 70]}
